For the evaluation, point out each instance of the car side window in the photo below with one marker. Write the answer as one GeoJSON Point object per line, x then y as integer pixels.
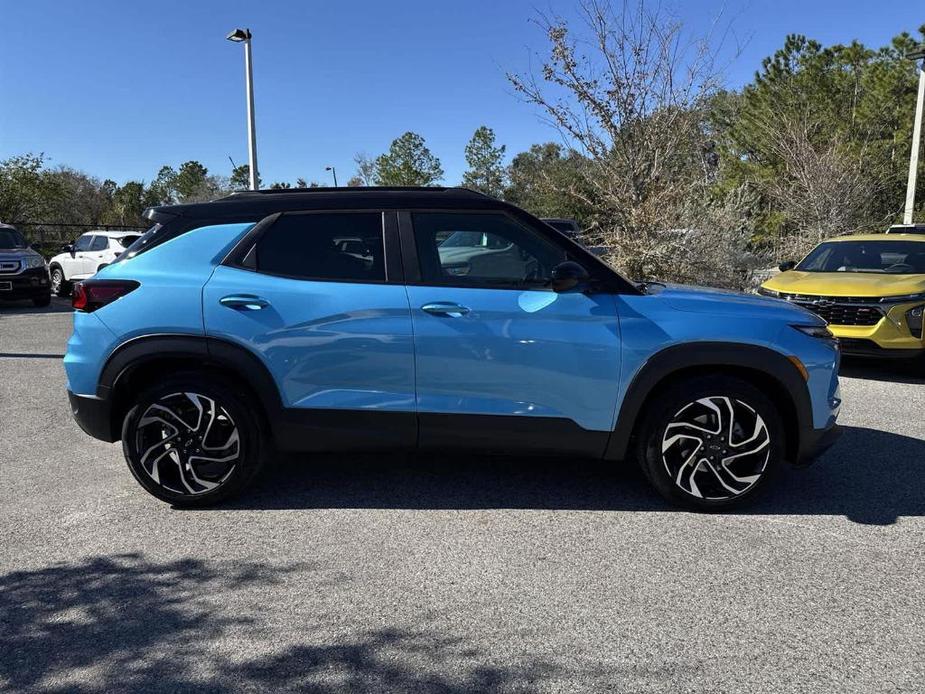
{"type": "Point", "coordinates": [324, 246]}
{"type": "Point", "coordinates": [83, 243]}
{"type": "Point", "coordinates": [472, 249]}
{"type": "Point", "coordinates": [99, 243]}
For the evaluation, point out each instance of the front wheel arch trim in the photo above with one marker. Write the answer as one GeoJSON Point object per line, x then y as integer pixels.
{"type": "Point", "coordinates": [702, 357]}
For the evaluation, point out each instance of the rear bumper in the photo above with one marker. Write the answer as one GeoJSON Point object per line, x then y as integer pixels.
{"type": "Point", "coordinates": [94, 416]}
{"type": "Point", "coordinates": [815, 442]}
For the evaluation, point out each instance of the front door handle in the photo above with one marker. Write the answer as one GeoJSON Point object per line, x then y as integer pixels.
{"type": "Point", "coordinates": [445, 308]}
{"type": "Point", "coordinates": [247, 302]}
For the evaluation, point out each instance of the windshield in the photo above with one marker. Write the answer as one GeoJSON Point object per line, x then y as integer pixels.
{"type": "Point", "coordinates": [462, 239]}
{"type": "Point", "coordinates": [889, 257]}
{"type": "Point", "coordinates": [11, 239]}
{"type": "Point", "coordinates": [473, 239]}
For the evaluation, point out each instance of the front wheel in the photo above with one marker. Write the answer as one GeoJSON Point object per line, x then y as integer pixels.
{"type": "Point", "coordinates": [711, 443]}
{"type": "Point", "coordinates": [59, 285]}
{"type": "Point", "coordinates": [192, 441]}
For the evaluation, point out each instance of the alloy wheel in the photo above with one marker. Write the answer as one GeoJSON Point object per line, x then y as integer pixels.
{"type": "Point", "coordinates": [716, 448]}
{"type": "Point", "coordinates": [187, 443]}
{"type": "Point", "coordinates": [57, 278]}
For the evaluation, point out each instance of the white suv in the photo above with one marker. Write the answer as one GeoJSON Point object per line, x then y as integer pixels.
{"type": "Point", "coordinates": [89, 253]}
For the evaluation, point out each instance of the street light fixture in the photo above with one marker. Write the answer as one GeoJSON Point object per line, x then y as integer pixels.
{"type": "Point", "coordinates": [333, 173]}
{"type": "Point", "coordinates": [239, 35]}
{"type": "Point", "coordinates": [244, 36]}
{"type": "Point", "coordinates": [918, 53]}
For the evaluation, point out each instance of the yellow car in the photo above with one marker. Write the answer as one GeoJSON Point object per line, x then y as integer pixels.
{"type": "Point", "coordinates": [870, 288]}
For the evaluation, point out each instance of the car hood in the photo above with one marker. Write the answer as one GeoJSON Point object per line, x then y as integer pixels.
{"type": "Point", "coordinates": [723, 302]}
{"type": "Point", "coordinates": [17, 255]}
{"type": "Point", "coordinates": [867, 284]}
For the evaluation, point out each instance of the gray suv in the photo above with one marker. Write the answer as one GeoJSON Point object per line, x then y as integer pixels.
{"type": "Point", "coordinates": [23, 273]}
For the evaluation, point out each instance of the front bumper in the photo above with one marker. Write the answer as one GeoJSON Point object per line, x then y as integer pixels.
{"type": "Point", "coordinates": [856, 347]}
{"type": "Point", "coordinates": [94, 416]}
{"type": "Point", "coordinates": [27, 284]}
{"type": "Point", "coordinates": [890, 333]}
{"type": "Point", "coordinates": [815, 442]}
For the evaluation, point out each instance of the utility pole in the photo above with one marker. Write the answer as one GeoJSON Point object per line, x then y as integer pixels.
{"type": "Point", "coordinates": [244, 36]}
{"type": "Point", "coordinates": [333, 173]}
{"type": "Point", "coordinates": [917, 54]}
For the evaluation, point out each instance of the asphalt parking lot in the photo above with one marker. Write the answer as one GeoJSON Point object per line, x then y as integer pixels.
{"type": "Point", "coordinates": [398, 573]}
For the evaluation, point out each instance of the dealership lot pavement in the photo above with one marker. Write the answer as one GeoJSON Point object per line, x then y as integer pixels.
{"type": "Point", "coordinates": [454, 574]}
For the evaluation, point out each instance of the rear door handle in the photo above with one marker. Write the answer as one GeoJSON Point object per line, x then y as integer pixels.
{"type": "Point", "coordinates": [445, 308]}
{"type": "Point", "coordinates": [246, 302]}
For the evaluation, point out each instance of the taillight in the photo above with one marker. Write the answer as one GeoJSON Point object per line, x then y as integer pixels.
{"type": "Point", "coordinates": [90, 295]}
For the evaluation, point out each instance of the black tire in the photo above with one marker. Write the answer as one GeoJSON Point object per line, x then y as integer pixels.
{"type": "Point", "coordinates": [710, 467]}
{"type": "Point", "coordinates": [59, 285]}
{"type": "Point", "coordinates": [186, 477]}
{"type": "Point", "coordinates": [41, 301]}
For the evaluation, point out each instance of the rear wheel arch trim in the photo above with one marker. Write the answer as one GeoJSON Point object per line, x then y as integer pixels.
{"type": "Point", "coordinates": [708, 355]}
{"type": "Point", "coordinates": [207, 351]}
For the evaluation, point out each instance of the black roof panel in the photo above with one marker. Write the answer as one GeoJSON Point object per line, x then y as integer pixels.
{"type": "Point", "coordinates": [256, 204]}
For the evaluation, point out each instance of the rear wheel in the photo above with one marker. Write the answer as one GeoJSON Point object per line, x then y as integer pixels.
{"type": "Point", "coordinates": [711, 443]}
{"type": "Point", "coordinates": [192, 441]}
{"type": "Point", "coordinates": [59, 285]}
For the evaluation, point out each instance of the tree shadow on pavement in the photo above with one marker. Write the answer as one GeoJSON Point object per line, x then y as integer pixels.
{"type": "Point", "coordinates": [869, 476]}
{"type": "Point", "coordinates": [123, 623]}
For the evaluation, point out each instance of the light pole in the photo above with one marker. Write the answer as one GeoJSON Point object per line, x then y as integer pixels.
{"type": "Point", "coordinates": [333, 173]}
{"type": "Point", "coordinates": [917, 54]}
{"type": "Point", "coordinates": [244, 36]}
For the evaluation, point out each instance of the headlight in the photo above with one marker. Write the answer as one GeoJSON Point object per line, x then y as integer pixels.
{"type": "Point", "coordinates": [768, 292]}
{"type": "Point", "coordinates": [903, 298]}
{"type": "Point", "coordinates": [820, 331]}
{"type": "Point", "coordinates": [35, 262]}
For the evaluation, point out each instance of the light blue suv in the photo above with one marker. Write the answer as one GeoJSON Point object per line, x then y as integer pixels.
{"type": "Point", "coordinates": [429, 318]}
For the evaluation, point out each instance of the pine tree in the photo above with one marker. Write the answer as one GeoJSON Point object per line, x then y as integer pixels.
{"type": "Point", "coordinates": [486, 163]}
{"type": "Point", "coordinates": [408, 163]}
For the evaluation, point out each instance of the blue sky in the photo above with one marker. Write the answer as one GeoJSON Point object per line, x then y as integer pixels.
{"type": "Point", "coordinates": [118, 89]}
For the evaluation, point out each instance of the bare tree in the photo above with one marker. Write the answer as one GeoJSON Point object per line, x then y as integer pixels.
{"type": "Point", "coordinates": [366, 169]}
{"type": "Point", "coordinates": [628, 91]}
{"type": "Point", "coordinates": [824, 186]}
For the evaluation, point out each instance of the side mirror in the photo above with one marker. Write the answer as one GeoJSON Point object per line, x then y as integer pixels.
{"type": "Point", "coordinates": [37, 247]}
{"type": "Point", "coordinates": [568, 275]}
{"type": "Point", "coordinates": [787, 265]}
